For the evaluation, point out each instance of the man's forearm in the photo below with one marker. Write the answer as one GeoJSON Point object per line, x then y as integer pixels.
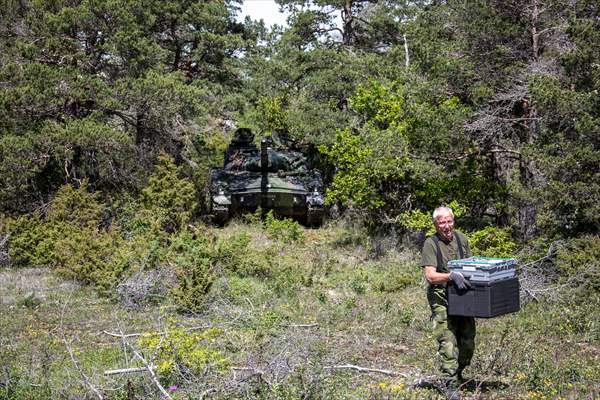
{"type": "Point", "coordinates": [435, 278]}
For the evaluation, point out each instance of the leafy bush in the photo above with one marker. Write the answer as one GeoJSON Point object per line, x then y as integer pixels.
{"type": "Point", "coordinates": [492, 241]}
{"type": "Point", "coordinates": [355, 180]}
{"type": "Point", "coordinates": [25, 241]}
{"type": "Point", "coordinates": [234, 254]}
{"type": "Point", "coordinates": [419, 220]}
{"type": "Point", "coordinates": [578, 261]}
{"type": "Point", "coordinates": [193, 260]}
{"type": "Point", "coordinates": [76, 206]}
{"type": "Point", "coordinates": [169, 194]}
{"type": "Point", "coordinates": [285, 230]}
{"type": "Point", "coordinates": [231, 251]}
{"type": "Point", "coordinates": [85, 255]}
{"type": "Point", "coordinates": [179, 352]}
{"type": "Point", "coordinates": [396, 278]}
{"type": "Point", "coordinates": [74, 214]}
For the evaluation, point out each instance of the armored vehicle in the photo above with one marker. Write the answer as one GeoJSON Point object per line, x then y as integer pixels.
{"type": "Point", "coordinates": [275, 177]}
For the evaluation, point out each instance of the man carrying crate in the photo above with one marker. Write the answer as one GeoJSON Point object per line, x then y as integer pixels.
{"type": "Point", "coordinates": [454, 334]}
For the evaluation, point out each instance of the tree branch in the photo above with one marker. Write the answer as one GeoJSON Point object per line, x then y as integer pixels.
{"type": "Point", "coordinates": [363, 369]}
{"type": "Point", "coordinates": [125, 370]}
{"type": "Point", "coordinates": [150, 368]}
{"type": "Point", "coordinates": [300, 325]}
{"type": "Point", "coordinates": [128, 335]}
{"type": "Point", "coordinates": [85, 378]}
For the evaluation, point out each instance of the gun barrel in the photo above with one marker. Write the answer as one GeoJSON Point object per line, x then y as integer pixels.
{"type": "Point", "coordinates": [264, 156]}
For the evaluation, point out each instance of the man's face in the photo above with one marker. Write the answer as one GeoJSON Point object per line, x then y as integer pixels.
{"type": "Point", "coordinates": [444, 225]}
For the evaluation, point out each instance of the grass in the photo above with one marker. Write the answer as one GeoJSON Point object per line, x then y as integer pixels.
{"type": "Point", "coordinates": [337, 297]}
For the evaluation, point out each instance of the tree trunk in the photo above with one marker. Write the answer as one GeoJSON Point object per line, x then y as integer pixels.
{"type": "Point", "coordinates": [348, 23]}
{"type": "Point", "coordinates": [535, 36]}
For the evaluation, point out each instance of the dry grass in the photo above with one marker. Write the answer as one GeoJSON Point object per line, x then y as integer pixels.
{"type": "Point", "coordinates": [328, 302]}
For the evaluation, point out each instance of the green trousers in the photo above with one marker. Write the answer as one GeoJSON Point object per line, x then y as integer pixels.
{"type": "Point", "coordinates": [455, 335]}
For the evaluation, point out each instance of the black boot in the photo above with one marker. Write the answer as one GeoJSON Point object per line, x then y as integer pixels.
{"type": "Point", "coordinates": [452, 390]}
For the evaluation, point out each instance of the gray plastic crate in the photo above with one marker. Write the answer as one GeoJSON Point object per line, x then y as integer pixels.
{"type": "Point", "coordinates": [484, 269]}
{"type": "Point", "coordinates": [485, 299]}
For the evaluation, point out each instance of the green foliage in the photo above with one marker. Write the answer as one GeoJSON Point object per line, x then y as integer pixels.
{"type": "Point", "coordinates": [396, 279]}
{"type": "Point", "coordinates": [354, 181]}
{"type": "Point", "coordinates": [419, 220]}
{"type": "Point", "coordinates": [271, 114]}
{"type": "Point", "coordinates": [285, 230]}
{"type": "Point", "coordinates": [180, 352]}
{"type": "Point", "coordinates": [578, 261]}
{"type": "Point", "coordinates": [75, 206]}
{"type": "Point", "coordinates": [380, 104]}
{"type": "Point", "coordinates": [27, 239]}
{"type": "Point", "coordinates": [392, 160]}
{"type": "Point", "coordinates": [173, 197]}
{"type": "Point", "coordinates": [233, 254]}
{"type": "Point", "coordinates": [567, 152]}
{"type": "Point", "coordinates": [73, 215]}
{"type": "Point", "coordinates": [193, 260]}
{"type": "Point", "coordinates": [493, 241]}
{"type": "Point", "coordinates": [416, 220]}
{"type": "Point", "coordinates": [88, 148]}
{"type": "Point", "coordinates": [19, 165]}
{"type": "Point", "coordinates": [96, 90]}
{"type": "Point", "coordinates": [85, 254]}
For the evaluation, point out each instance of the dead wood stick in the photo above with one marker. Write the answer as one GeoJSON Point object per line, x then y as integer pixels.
{"type": "Point", "coordinates": [128, 335]}
{"type": "Point", "coordinates": [150, 368]}
{"type": "Point", "coordinates": [300, 325]}
{"type": "Point", "coordinates": [533, 296]}
{"type": "Point", "coordinates": [363, 369]}
{"type": "Point", "coordinates": [74, 359]}
{"type": "Point", "coordinates": [125, 370]}
{"type": "Point", "coordinates": [120, 335]}
{"type": "Point", "coordinates": [85, 378]}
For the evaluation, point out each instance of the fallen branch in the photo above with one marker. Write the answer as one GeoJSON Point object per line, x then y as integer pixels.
{"type": "Point", "coordinates": [363, 369]}
{"type": "Point", "coordinates": [533, 296]}
{"type": "Point", "coordinates": [128, 335]}
{"type": "Point", "coordinates": [300, 325]}
{"type": "Point", "coordinates": [125, 371]}
{"type": "Point", "coordinates": [150, 368]}
{"type": "Point", "coordinates": [85, 378]}
{"type": "Point", "coordinates": [120, 335]}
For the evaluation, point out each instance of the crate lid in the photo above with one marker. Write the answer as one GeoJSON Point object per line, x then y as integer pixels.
{"type": "Point", "coordinates": [482, 262]}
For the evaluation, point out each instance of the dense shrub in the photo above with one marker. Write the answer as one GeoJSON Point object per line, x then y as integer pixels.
{"type": "Point", "coordinates": [172, 196]}
{"type": "Point", "coordinates": [579, 263]}
{"type": "Point", "coordinates": [179, 353]}
{"type": "Point", "coordinates": [26, 239]}
{"type": "Point", "coordinates": [285, 230]}
{"type": "Point", "coordinates": [73, 216]}
{"type": "Point", "coordinates": [85, 254]}
{"type": "Point", "coordinates": [233, 254]}
{"type": "Point", "coordinates": [492, 241]}
{"type": "Point", "coordinates": [193, 260]}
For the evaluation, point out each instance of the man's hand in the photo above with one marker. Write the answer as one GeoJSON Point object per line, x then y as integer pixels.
{"type": "Point", "coordinates": [459, 280]}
